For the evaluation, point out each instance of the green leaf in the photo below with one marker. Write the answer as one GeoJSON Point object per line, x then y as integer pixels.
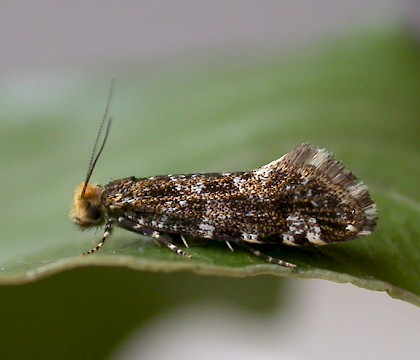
{"type": "Point", "coordinates": [357, 97]}
{"type": "Point", "coordinates": [85, 313]}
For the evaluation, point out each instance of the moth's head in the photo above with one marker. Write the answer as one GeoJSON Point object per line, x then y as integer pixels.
{"type": "Point", "coordinates": [87, 210]}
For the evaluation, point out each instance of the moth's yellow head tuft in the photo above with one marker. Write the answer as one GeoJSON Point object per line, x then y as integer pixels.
{"type": "Point", "coordinates": [87, 210]}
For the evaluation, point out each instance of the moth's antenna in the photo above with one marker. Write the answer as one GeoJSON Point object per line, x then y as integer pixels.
{"type": "Point", "coordinates": [96, 153]}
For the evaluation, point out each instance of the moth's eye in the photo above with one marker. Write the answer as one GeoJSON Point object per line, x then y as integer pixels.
{"type": "Point", "coordinates": [94, 212]}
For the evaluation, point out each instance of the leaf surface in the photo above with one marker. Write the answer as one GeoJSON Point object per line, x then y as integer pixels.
{"type": "Point", "coordinates": [357, 97]}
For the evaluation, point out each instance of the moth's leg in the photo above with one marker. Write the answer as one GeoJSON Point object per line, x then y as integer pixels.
{"type": "Point", "coordinates": [268, 258]}
{"type": "Point", "coordinates": [184, 240]}
{"type": "Point", "coordinates": [229, 246]}
{"type": "Point", "coordinates": [159, 238]}
{"type": "Point", "coordinates": [107, 232]}
{"type": "Point", "coordinates": [165, 240]}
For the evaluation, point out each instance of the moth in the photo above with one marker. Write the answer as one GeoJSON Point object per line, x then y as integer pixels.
{"type": "Point", "coordinates": [304, 198]}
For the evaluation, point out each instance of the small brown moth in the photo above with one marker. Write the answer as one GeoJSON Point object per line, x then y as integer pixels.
{"type": "Point", "coordinates": [304, 198]}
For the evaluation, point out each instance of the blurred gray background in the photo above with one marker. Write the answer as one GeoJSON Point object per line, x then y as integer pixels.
{"type": "Point", "coordinates": [50, 34]}
{"type": "Point", "coordinates": [327, 321]}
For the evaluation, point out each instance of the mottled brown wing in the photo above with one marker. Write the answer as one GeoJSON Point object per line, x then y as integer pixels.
{"type": "Point", "coordinates": [305, 197]}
